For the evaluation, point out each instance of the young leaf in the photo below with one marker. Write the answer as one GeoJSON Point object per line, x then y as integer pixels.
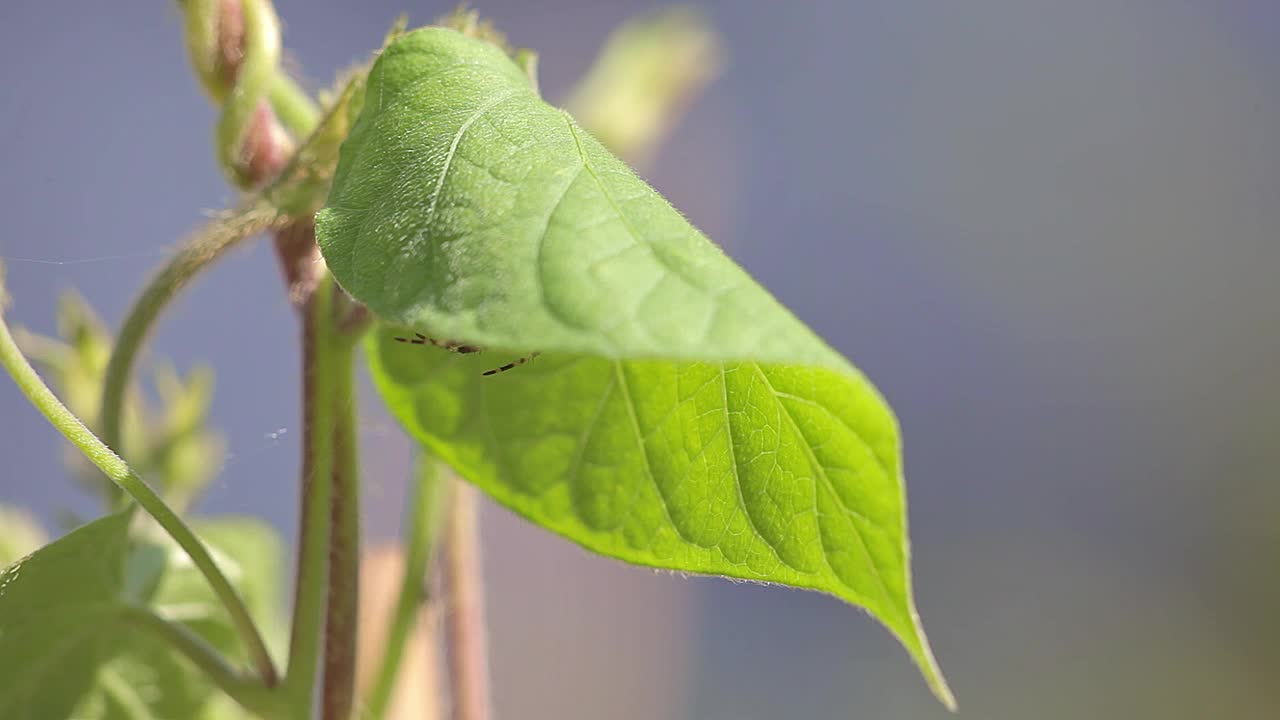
{"type": "Point", "coordinates": [678, 417]}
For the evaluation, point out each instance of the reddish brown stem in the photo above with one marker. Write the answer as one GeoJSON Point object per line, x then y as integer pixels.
{"type": "Point", "coordinates": [464, 611]}
{"type": "Point", "coordinates": [338, 690]}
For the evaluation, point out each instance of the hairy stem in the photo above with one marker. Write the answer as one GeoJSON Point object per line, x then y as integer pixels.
{"type": "Point", "coordinates": [196, 254]}
{"type": "Point", "coordinates": [119, 472]}
{"type": "Point", "coordinates": [315, 499]}
{"type": "Point", "coordinates": [246, 690]}
{"type": "Point", "coordinates": [295, 108]}
{"type": "Point", "coordinates": [422, 526]}
{"type": "Point", "coordinates": [218, 42]}
{"type": "Point", "coordinates": [338, 692]}
{"type": "Point", "coordinates": [465, 621]}
{"type": "Point", "coordinates": [254, 78]}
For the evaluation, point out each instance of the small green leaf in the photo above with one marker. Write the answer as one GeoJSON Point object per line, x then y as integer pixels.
{"type": "Point", "coordinates": [679, 416]}
{"type": "Point", "coordinates": [67, 651]}
{"type": "Point", "coordinates": [57, 619]}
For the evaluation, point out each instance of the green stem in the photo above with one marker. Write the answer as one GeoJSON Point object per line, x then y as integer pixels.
{"type": "Point", "coordinates": [338, 693]}
{"type": "Point", "coordinates": [421, 530]}
{"type": "Point", "coordinates": [208, 244]}
{"type": "Point", "coordinates": [246, 690]}
{"type": "Point", "coordinates": [295, 108]}
{"type": "Point", "coordinates": [310, 583]}
{"type": "Point", "coordinates": [119, 472]}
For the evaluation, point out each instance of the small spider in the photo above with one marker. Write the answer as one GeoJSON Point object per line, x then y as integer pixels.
{"type": "Point", "coordinates": [464, 349]}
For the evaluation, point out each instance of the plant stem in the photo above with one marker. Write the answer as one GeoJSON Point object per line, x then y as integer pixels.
{"type": "Point", "coordinates": [246, 690]}
{"type": "Point", "coordinates": [464, 609]}
{"type": "Point", "coordinates": [339, 678]}
{"type": "Point", "coordinates": [203, 248]}
{"type": "Point", "coordinates": [421, 529]}
{"type": "Point", "coordinates": [296, 110]}
{"type": "Point", "coordinates": [121, 474]}
{"type": "Point", "coordinates": [310, 583]}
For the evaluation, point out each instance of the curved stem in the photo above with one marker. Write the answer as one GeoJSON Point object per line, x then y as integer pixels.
{"type": "Point", "coordinates": [121, 474]}
{"type": "Point", "coordinates": [246, 690]}
{"type": "Point", "coordinates": [206, 246]}
{"type": "Point", "coordinates": [421, 528]}
{"type": "Point", "coordinates": [468, 634]}
{"type": "Point", "coordinates": [295, 108]}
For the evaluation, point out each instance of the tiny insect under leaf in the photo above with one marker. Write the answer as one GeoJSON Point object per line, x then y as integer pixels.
{"type": "Point", "coordinates": [464, 349]}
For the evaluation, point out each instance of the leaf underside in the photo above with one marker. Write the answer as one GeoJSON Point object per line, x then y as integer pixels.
{"type": "Point", "coordinates": [678, 415]}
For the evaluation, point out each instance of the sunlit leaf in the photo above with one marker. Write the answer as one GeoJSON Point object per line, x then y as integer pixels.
{"type": "Point", "coordinates": [678, 417]}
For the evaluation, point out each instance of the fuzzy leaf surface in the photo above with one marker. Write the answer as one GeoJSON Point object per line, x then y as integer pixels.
{"type": "Point", "coordinates": [678, 417]}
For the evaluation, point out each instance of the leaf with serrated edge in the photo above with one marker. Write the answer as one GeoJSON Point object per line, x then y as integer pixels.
{"type": "Point", "coordinates": [679, 416]}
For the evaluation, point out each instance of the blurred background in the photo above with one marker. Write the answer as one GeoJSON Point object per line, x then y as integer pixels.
{"type": "Point", "coordinates": [1047, 230]}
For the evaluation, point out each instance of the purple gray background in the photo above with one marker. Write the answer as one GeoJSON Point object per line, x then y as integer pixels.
{"type": "Point", "coordinates": [1047, 230]}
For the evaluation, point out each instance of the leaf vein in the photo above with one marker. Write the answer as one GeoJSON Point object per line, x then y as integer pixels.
{"type": "Point", "coordinates": [821, 472]}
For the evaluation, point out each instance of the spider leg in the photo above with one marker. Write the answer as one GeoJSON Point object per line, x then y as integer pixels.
{"type": "Point", "coordinates": [511, 365]}
{"type": "Point", "coordinates": [450, 345]}
{"type": "Point", "coordinates": [463, 349]}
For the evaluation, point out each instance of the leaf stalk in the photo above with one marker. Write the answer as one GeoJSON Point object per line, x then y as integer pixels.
{"type": "Point", "coordinates": [119, 472]}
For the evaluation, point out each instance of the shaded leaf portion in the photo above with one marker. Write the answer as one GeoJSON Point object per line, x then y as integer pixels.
{"type": "Point", "coordinates": [147, 673]}
{"type": "Point", "coordinates": [66, 649]}
{"type": "Point", "coordinates": [678, 417]}
{"type": "Point", "coordinates": [147, 680]}
{"type": "Point", "coordinates": [250, 553]}
{"type": "Point", "coordinates": [57, 612]}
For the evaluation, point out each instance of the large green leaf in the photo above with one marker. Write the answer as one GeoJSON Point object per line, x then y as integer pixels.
{"type": "Point", "coordinates": [678, 417]}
